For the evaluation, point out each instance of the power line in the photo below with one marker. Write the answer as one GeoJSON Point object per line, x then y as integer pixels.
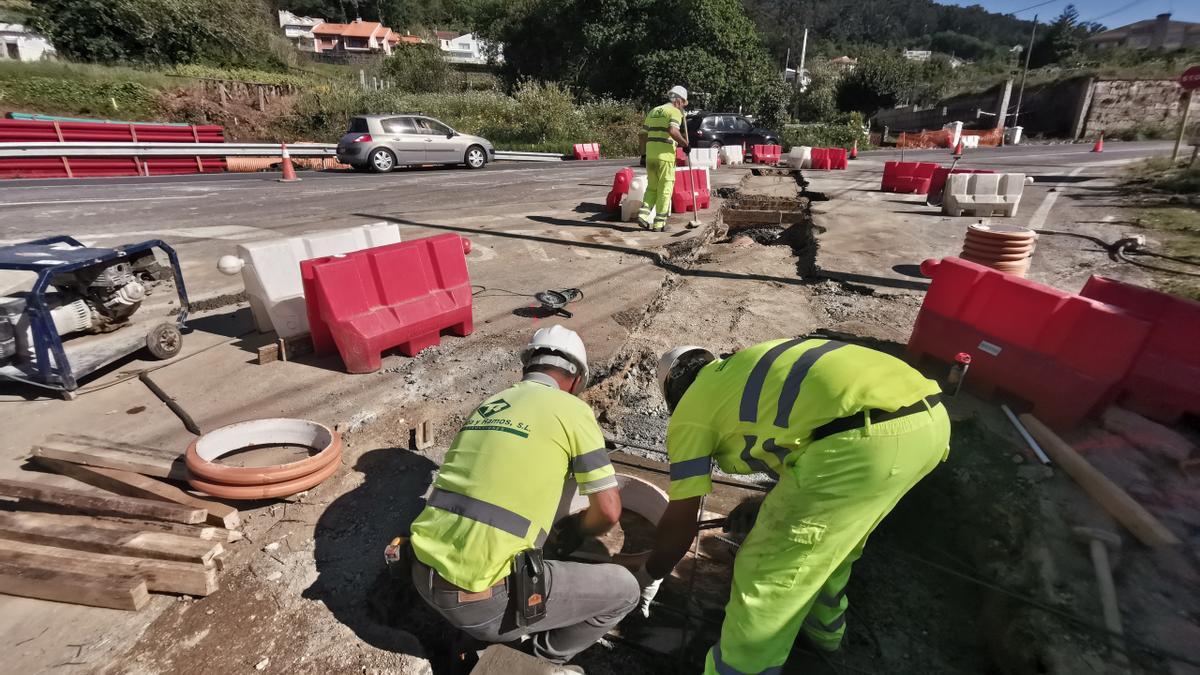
{"type": "Point", "coordinates": [1115, 11]}
{"type": "Point", "coordinates": [1040, 4]}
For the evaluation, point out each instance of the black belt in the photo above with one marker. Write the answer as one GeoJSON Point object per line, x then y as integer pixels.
{"type": "Point", "coordinates": [857, 421]}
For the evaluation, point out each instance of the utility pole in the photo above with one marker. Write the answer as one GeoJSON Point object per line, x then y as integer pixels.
{"type": "Point", "coordinates": [1024, 73]}
{"type": "Point", "coordinates": [800, 72]}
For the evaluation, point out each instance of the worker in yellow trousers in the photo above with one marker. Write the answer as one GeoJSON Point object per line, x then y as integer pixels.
{"type": "Point", "coordinates": [847, 431]}
{"type": "Point", "coordinates": [662, 131]}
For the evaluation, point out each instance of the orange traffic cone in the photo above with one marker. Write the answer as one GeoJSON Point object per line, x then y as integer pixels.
{"type": "Point", "coordinates": [289, 171]}
{"type": "Point", "coordinates": [958, 150]}
{"type": "Point", "coordinates": [854, 150]}
{"type": "Point", "coordinates": [1099, 145]}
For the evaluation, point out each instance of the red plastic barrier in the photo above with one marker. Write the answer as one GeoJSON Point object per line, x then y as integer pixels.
{"type": "Point", "coordinates": [619, 189]}
{"type": "Point", "coordinates": [681, 196]}
{"type": "Point", "coordinates": [937, 183]}
{"type": "Point", "coordinates": [766, 154]}
{"type": "Point", "coordinates": [1062, 353]}
{"type": "Point", "coordinates": [31, 131]}
{"type": "Point", "coordinates": [586, 151]}
{"type": "Point", "coordinates": [907, 177]}
{"type": "Point", "coordinates": [400, 295]}
{"type": "Point", "coordinates": [829, 158]}
{"type": "Point", "coordinates": [1164, 382]}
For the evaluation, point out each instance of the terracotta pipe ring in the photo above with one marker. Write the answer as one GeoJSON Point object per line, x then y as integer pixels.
{"type": "Point", "coordinates": [203, 452]}
{"type": "Point", "coordinates": [269, 490]}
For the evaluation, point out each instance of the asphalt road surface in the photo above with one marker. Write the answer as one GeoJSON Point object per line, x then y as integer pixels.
{"type": "Point", "coordinates": [206, 216]}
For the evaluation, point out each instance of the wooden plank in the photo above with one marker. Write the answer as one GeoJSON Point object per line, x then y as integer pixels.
{"type": "Point", "coordinates": [45, 529]}
{"type": "Point", "coordinates": [204, 532]}
{"type": "Point", "coordinates": [49, 581]}
{"type": "Point", "coordinates": [1148, 529]}
{"type": "Point", "coordinates": [136, 485]}
{"type": "Point", "coordinates": [101, 504]}
{"type": "Point", "coordinates": [162, 576]}
{"type": "Point", "coordinates": [138, 459]}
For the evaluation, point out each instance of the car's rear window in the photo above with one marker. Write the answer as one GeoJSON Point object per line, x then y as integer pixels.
{"type": "Point", "coordinates": [358, 125]}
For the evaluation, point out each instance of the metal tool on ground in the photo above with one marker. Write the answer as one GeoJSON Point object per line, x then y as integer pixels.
{"type": "Point", "coordinates": [1033, 445]}
{"type": "Point", "coordinates": [554, 301]}
{"type": "Point", "coordinates": [695, 221]}
{"type": "Point", "coordinates": [188, 422]}
{"type": "Point", "coordinates": [1099, 541]}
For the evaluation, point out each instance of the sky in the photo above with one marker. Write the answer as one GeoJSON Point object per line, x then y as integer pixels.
{"type": "Point", "coordinates": [1111, 13]}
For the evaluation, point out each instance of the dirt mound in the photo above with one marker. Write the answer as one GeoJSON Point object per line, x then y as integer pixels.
{"type": "Point", "coordinates": [242, 120]}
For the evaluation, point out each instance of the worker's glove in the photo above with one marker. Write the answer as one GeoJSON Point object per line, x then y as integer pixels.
{"type": "Point", "coordinates": [567, 536]}
{"type": "Point", "coordinates": [685, 148]}
{"type": "Point", "coordinates": [741, 519]}
{"type": "Point", "coordinates": [649, 586]}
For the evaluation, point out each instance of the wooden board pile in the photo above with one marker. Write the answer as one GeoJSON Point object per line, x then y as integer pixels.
{"type": "Point", "coordinates": [109, 549]}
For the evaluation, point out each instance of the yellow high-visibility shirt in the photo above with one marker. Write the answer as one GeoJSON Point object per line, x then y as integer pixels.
{"type": "Point", "coordinates": [657, 127]}
{"type": "Point", "coordinates": [499, 488]}
{"type": "Point", "coordinates": [751, 411]}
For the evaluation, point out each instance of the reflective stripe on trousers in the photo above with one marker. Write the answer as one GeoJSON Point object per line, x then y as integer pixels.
{"type": "Point", "coordinates": [792, 569]}
{"type": "Point", "coordinates": [660, 182]}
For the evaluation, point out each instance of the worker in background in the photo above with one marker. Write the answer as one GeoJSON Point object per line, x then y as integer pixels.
{"type": "Point", "coordinates": [662, 130]}
{"type": "Point", "coordinates": [846, 430]}
{"type": "Point", "coordinates": [477, 545]}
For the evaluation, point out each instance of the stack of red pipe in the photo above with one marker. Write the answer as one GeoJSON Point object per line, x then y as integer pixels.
{"type": "Point", "coordinates": [36, 131]}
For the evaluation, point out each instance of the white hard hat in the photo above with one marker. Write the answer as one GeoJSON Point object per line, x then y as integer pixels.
{"type": "Point", "coordinates": [668, 361]}
{"type": "Point", "coordinates": [678, 91]}
{"type": "Point", "coordinates": [560, 347]}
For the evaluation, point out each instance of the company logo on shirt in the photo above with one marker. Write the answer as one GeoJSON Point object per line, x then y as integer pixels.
{"type": "Point", "coordinates": [493, 407]}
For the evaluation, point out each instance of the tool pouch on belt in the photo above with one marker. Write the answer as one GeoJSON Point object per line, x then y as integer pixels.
{"type": "Point", "coordinates": [529, 587]}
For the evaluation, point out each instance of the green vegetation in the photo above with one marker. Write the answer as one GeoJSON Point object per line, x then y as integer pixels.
{"type": "Point", "coordinates": [222, 32]}
{"type": "Point", "coordinates": [420, 68]}
{"type": "Point", "coordinates": [540, 117]}
{"type": "Point", "coordinates": [1171, 209]}
{"type": "Point", "coordinates": [294, 78]}
{"type": "Point", "coordinates": [637, 49]}
{"type": "Point", "coordinates": [837, 134]}
{"type": "Point", "coordinates": [81, 89]}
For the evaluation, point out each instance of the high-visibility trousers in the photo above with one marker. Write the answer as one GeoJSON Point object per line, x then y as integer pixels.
{"type": "Point", "coordinates": [660, 183]}
{"type": "Point", "coordinates": [792, 570]}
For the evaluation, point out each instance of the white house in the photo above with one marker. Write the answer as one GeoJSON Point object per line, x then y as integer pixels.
{"type": "Point", "coordinates": [918, 54]}
{"type": "Point", "coordinates": [464, 48]}
{"type": "Point", "coordinates": [18, 43]}
{"type": "Point", "coordinates": [299, 29]}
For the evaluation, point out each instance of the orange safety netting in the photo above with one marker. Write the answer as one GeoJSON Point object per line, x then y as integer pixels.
{"type": "Point", "coordinates": [925, 139]}
{"type": "Point", "coordinates": [990, 138]}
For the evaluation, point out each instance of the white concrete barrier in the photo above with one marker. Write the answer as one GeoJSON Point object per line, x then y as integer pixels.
{"type": "Point", "coordinates": [633, 201]}
{"type": "Point", "coordinates": [732, 155]}
{"type": "Point", "coordinates": [983, 194]}
{"type": "Point", "coordinates": [703, 158]}
{"type": "Point", "coordinates": [800, 157]}
{"type": "Point", "coordinates": [970, 141]}
{"type": "Point", "coordinates": [1012, 135]}
{"type": "Point", "coordinates": [271, 271]}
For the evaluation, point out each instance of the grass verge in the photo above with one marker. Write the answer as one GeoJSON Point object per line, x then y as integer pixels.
{"type": "Point", "coordinates": [1169, 196]}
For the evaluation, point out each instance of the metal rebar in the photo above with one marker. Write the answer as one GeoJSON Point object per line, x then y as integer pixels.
{"type": "Point", "coordinates": [1037, 449]}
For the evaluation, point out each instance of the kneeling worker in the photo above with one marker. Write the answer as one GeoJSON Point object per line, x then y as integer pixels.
{"type": "Point", "coordinates": [847, 430]}
{"type": "Point", "coordinates": [477, 545]}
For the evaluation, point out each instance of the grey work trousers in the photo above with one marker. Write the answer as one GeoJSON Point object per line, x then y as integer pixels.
{"type": "Point", "coordinates": [583, 601]}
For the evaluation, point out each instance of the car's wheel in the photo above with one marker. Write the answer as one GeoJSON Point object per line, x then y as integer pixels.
{"type": "Point", "coordinates": [475, 158]}
{"type": "Point", "coordinates": [715, 145]}
{"type": "Point", "coordinates": [381, 160]}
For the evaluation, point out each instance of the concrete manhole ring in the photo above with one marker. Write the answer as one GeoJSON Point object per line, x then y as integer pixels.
{"type": "Point", "coordinates": [204, 451]}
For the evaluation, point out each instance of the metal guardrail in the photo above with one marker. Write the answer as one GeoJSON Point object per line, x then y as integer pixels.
{"type": "Point", "coordinates": [120, 149]}
{"type": "Point", "coordinates": [528, 156]}
{"type": "Point", "coordinates": [126, 149]}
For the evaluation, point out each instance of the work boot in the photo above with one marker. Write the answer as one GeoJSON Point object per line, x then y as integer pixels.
{"type": "Point", "coordinates": [659, 226]}
{"type": "Point", "coordinates": [644, 224]}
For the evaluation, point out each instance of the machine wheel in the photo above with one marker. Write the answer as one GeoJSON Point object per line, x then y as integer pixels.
{"type": "Point", "coordinates": [382, 160]}
{"type": "Point", "coordinates": [164, 341]}
{"type": "Point", "coordinates": [476, 158]}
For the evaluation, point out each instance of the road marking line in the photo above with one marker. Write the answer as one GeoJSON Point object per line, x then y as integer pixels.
{"type": "Point", "coordinates": [100, 201]}
{"type": "Point", "coordinates": [537, 252]}
{"type": "Point", "coordinates": [1043, 209]}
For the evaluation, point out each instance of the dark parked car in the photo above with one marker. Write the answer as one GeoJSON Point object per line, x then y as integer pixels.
{"type": "Point", "coordinates": [712, 130]}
